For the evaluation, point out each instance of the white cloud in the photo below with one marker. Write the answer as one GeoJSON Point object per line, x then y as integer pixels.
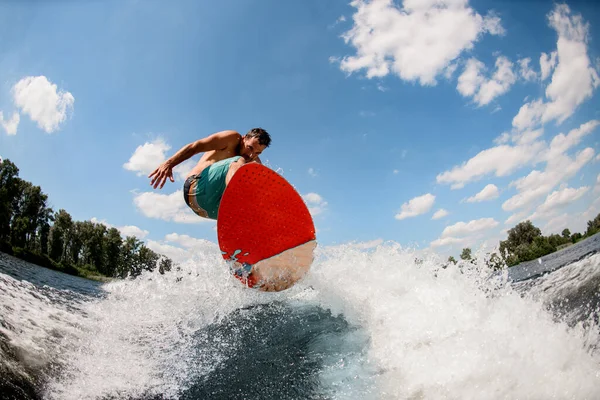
{"type": "Point", "coordinates": [464, 233]}
{"type": "Point", "coordinates": [537, 184]}
{"type": "Point", "coordinates": [469, 228]}
{"type": "Point", "coordinates": [312, 172]}
{"type": "Point", "coordinates": [558, 199]}
{"type": "Point", "coordinates": [471, 79]}
{"type": "Point", "coordinates": [528, 136]}
{"type": "Point", "coordinates": [315, 203]}
{"type": "Point", "coordinates": [176, 254]}
{"type": "Point", "coordinates": [39, 98]}
{"type": "Point", "coordinates": [417, 206]}
{"type": "Point", "coordinates": [489, 192]}
{"type": "Point", "coordinates": [169, 207]}
{"type": "Point", "coordinates": [132, 230]}
{"type": "Point", "coordinates": [500, 160]}
{"type": "Point", "coordinates": [588, 215]}
{"type": "Point", "coordinates": [441, 213]}
{"type": "Point", "coordinates": [562, 143]}
{"type": "Point", "coordinates": [415, 42]}
{"type": "Point", "coordinates": [516, 218]}
{"type": "Point", "coordinates": [556, 224]}
{"type": "Point", "coordinates": [525, 137]}
{"type": "Point", "coordinates": [11, 125]}
{"type": "Point", "coordinates": [182, 170]}
{"type": "Point", "coordinates": [188, 241]}
{"type": "Point", "coordinates": [547, 64]}
{"type": "Point", "coordinates": [504, 138]}
{"type": "Point", "coordinates": [450, 70]}
{"type": "Point", "coordinates": [473, 83]}
{"type": "Point", "coordinates": [449, 241]}
{"type": "Point", "coordinates": [505, 159]}
{"type": "Point", "coordinates": [189, 246]}
{"type": "Point", "coordinates": [127, 230]}
{"type": "Point", "coordinates": [559, 167]}
{"type": "Point", "coordinates": [526, 71]}
{"type": "Point", "coordinates": [147, 157]}
{"type": "Point", "coordinates": [575, 223]}
{"type": "Point", "coordinates": [574, 78]}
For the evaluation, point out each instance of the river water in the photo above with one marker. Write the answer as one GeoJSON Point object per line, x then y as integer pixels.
{"type": "Point", "coordinates": [378, 323]}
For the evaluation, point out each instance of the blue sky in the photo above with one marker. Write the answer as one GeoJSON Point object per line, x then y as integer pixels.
{"type": "Point", "coordinates": [436, 124]}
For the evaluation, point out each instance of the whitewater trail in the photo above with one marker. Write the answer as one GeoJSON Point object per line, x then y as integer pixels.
{"type": "Point", "coordinates": [414, 328]}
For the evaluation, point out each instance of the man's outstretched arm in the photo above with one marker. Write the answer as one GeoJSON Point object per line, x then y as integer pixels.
{"type": "Point", "coordinates": [217, 141]}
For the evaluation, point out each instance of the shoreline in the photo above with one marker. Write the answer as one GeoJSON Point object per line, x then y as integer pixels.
{"type": "Point", "coordinates": [70, 270]}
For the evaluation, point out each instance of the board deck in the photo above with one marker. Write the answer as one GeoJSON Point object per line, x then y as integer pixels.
{"type": "Point", "coordinates": [264, 228]}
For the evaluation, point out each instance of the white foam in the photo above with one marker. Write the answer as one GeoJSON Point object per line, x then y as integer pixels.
{"type": "Point", "coordinates": [421, 331]}
{"type": "Point", "coordinates": [139, 338]}
{"type": "Point", "coordinates": [446, 333]}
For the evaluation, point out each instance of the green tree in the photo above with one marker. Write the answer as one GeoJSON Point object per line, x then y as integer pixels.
{"type": "Point", "coordinates": [59, 236]}
{"type": "Point", "coordinates": [9, 194]}
{"type": "Point", "coordinates": [593, 226]}
{"type": "Point", "coordinates": [75, 239]}
{"type": "Point", "coordinates": [466, 254]}
{"type": "Point", "coordinates": [515, 248]}
{"type": "Point", "coordinates": [556, 240]}
{"type": "Point", "coordinates": [92, 250]}
{"type": "Point", "coordinates": [452, 260]}
{"type": "Point", "coordinates": [46, 217]}
{"type": "Point", "coordinates": [96, 246]}
{"type": "Point", "coordinates": [495, 262]}
{"type": "Point", "coordinates": [29, 213]}
{"type": "Point", "coordinates": [112, 247]}
{"type": "Point", "coordinates": [166, 264]}
{"type": "Point", "coordinates": [84, 233]}
{"type": "Point", "coordinates": [129, 261]}
{"type": "Point", "coordinates": [566, 233]}
{"type": "Point", "coordinates": [147, 259]}
{"type": "Point", "coordinates": [541, 246]}
{"type": "Point", "coordinates": [18, 231]}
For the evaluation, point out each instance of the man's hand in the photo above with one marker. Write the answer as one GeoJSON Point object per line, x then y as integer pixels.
{"type": "Point", "coordinates": [160, 175]}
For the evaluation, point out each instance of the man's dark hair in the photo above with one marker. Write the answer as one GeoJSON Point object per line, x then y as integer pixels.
{"type": "Point", "coordinates": [263, 136]}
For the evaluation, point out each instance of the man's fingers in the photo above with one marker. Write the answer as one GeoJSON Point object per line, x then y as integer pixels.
{"type": "Point", "coordinates": [155, 181]}
{"type": "Point", "coordinates": [159, 177]}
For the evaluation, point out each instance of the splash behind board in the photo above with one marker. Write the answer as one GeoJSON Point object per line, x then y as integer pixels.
{"type": "Point", "coordinates": [265, 229]}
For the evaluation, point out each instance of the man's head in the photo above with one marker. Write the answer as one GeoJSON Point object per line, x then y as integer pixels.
{"type": "Point", "coordinates": [254, 143]}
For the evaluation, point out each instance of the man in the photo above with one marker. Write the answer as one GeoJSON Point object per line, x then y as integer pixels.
{"type": "Point", "coordinates": [224, 153]}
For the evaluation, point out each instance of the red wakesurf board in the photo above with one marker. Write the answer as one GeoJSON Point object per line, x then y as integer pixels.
{"type": "Point", "coordinates": [265, 229]}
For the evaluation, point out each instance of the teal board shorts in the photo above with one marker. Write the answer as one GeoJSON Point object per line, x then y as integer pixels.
{"type": "Point", "coordinates": [203, 192]}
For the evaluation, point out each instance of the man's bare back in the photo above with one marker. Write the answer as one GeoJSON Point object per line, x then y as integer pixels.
{"type": "Point", "coordinates": [224, 153]}
{"type": "Point", "coordinates": [216, 147]}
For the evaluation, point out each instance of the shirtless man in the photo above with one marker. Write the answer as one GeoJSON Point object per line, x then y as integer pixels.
{"type": "Point", "coordinates": [224, 153]}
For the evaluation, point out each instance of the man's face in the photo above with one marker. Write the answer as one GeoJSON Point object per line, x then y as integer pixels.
{"type": "Point", "coordinates": [251, 148]}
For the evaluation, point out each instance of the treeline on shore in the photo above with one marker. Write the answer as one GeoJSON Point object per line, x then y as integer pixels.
{"type": "Point", "coordinates": [34, 232]}
{"type": "Point", "coordinates": [525, 242]}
